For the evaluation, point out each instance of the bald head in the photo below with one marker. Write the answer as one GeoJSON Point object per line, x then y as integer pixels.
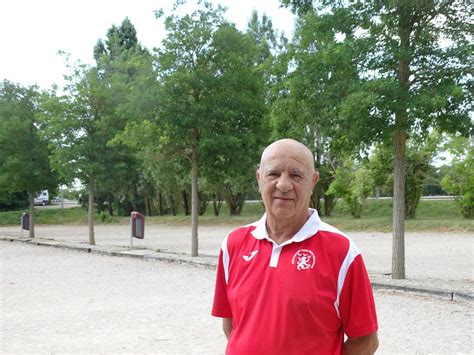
{"type": "Point", "coordinates": [289, 148]}
{"type": "Point", "coordinates": [286, 178]}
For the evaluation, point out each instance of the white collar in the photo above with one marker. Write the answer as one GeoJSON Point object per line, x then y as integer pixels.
{"type": "Point", "coordinates": [310, 228]}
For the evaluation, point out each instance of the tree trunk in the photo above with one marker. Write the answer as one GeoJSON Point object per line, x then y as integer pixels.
{"type": "Point", "coordinates": [186, 202]}
{"type": "Point", "coordinates": [398, 249]}
{"type": "Point", "coordinates": [203, 203]}
{"type": "Point", "coordinates": [405, 28]}
{"type": "Point", "coordinates": [236, 203]}
{"type": "Point", "coordinates": [174, 206]}
{"type": "Point", "coordinates": [329, 203]}
{"type": "Point", "coordinates": [241, 203]}
{"type": "Point", "coordinates": [90, 213]}
{"type": "Point", "coordinates": [32, 215]}
{"type": "Point", "coordinates": [146, 200]}
{"type": "Point", "coordinates": [413, 202]}
{"type": "Point", "coordinates": [194, 202]}
{"type": "Point", "coordinates": [315, 201]}
{"type": "Point", "coordinates": [216, 203]}
{"type": "Point", "coordinates": [160, 203]}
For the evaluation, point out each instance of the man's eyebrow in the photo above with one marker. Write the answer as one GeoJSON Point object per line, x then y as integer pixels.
{"type": "Point", "coordinates": [276, 170]}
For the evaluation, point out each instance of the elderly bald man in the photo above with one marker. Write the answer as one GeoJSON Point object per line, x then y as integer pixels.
{"type": "Point", "coordinates": [290, 283]}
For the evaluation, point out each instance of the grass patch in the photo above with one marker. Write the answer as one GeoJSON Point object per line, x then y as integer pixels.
{"type": "Point", "coordinates": [432, 215]}
{"type": "Point", "coordinates": [74, 215]}
{"type": "Point", "coordinates": [250, 213]}
{"type": "Point", "coordinates": [381, 208]}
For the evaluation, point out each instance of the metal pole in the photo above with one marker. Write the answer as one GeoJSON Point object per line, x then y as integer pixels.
{"type": "Point", "coordinates": [131, 233]}
{"type": "Point", "coordinates": [62, 197]}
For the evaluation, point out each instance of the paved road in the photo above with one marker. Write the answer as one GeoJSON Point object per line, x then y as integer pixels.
{"type": "Point", "coordinates": [64, 301]}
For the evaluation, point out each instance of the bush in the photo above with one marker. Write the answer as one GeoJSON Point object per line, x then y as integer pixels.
{"type": "Point", "coordinates": [459, 181]}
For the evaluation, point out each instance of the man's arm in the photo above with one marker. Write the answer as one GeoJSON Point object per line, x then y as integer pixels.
{"type": "Point", "coordinates": [365, 345]}
{"type": "Point", "coordinates": [227, 326]}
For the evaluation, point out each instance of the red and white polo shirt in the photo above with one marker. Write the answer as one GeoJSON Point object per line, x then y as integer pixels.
{"type": "Point", "coordinates": [299, 297]}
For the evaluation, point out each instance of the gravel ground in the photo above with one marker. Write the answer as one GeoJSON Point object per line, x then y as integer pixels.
{"type": "Point", "coordinates": [433, 260]}
{"type": "Point", "coordinates": [63, 301]}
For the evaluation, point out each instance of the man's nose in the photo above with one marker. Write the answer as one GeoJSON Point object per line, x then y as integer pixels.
{"type": "Point", "coordinates": [284, 183]}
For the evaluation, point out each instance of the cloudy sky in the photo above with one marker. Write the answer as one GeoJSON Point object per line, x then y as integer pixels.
{"type": "Point", "coordinates": [33, 31]}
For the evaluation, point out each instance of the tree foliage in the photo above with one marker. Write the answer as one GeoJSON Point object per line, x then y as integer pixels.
{"type": "Point", "coordinates": [82, 122]}
{"type": "Point", "coordinates": [353, 183]}
{"type": "Point", "coordinates": [459, 180]}
{"type": "Point", "coordinates": [185, 127]}
{"type": "Point", "coordinates": [209, 112]}
{"type": "Point", "coordinates": [414, 64]}
{"type": "Point", "coordinates": [320, 72]}
{"type": "Point", "coordinates": [418, 169]}
{"type": "Point", "coordinates": [24, 155]}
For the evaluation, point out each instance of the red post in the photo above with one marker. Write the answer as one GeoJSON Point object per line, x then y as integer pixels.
{"type": "Point", "coordinates": [138, 225]}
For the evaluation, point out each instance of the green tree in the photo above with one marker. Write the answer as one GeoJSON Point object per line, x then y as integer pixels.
{"type": "Point", "coordinates": [160, 168]}
{"type": "Point", "coordinates": [120, 40]}
{"type": "Point", "coordinates": [82, 122]}
{"type": "Point", "coordinates": [419, 157]}
{"type": "Point", "coordinates": [184, 64]}
{"type": "Point", "coordinates": [10, 201]}
{"type": "Point", "coordinates": [78, 125]}
{"type": "Point", "coordinates": [321, 70]}
{"type": "Point", "coordinates": [238, 112]}
{"type": "Point", "coordinates": [232, 174]}
{"type": "Point", "coordinates": [24, 158]}
{"type": "Point", "coordinates": [353, 183]}
{"type": "Point", "coordinates": [211, 101]}
{"type": "Point", "coordinates": [270, 43]}
{"type": "Point", "coordinates": [125, 68]}
{"type": "Point", "coordinates": [459, 180]}
{"type": "Point", "coordinates": [381, 168]}
{"type": "Point", "coordinates": [415, 58]}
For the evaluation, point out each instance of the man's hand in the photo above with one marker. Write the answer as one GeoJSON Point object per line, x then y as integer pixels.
{"type": "Point", "coordinates": [366, 345]}
{"type": "Point", "coordinates": [227, 326]}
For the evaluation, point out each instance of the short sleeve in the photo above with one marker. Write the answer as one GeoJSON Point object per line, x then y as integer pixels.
{"type": "Point", "coordinates": [356, 304]}
{"type": "Point", "coordinates": [221, 307]}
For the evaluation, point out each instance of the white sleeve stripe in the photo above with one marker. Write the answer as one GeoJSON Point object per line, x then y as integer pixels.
{"type": "Point", "coordinates": [352, 253]}
{"type": "Point", "coordinates": [225, 259]}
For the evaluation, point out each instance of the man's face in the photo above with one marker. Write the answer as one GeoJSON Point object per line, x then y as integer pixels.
{"type": "Point", "coordinates": [286, 179]}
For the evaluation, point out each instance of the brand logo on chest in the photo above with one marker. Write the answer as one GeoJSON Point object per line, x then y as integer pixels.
{"type": "Point", "coordinates": [250, 256]}
{"type": "Point", "coordinates": [304, 259]}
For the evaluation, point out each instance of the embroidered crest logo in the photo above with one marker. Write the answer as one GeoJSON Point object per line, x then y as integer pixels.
{"type": "Point", "coordinates": [304, 259]}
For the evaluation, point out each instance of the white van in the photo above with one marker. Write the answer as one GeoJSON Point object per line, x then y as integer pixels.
{"type": "Point", "coordinates": [42, 198]}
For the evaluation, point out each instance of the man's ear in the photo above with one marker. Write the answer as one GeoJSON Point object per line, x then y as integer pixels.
{"type": "Point", "coordinates": [315, 178]}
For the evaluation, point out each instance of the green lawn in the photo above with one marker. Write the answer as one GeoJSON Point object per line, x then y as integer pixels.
{"type": "Point", "coordinates": [433, 215]}
{"type": "Point", "coordinates": [75, 215]}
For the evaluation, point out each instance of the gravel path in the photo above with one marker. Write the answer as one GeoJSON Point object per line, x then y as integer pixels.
{"type": "Point", "coordinates": [434, 260]}
{"type": "Point", "coordinates": [63, 301]}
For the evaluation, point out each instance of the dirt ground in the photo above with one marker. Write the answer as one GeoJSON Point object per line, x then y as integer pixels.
{"type": "Point", "coordinates": [64, 301]}
{"type": "Point", "coordinates": [439, 260]}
